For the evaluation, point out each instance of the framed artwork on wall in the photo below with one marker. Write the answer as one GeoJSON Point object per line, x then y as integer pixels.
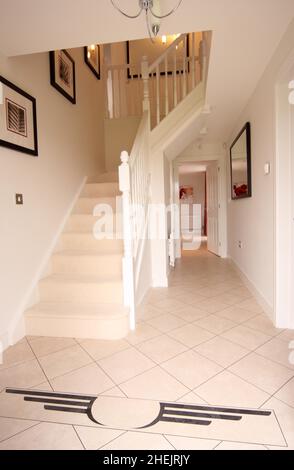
{"type": "Point", "coordinates": [92, 59]}
{"type": "Point", "coordinates": [18, 119]}
{"type": "Point", "coordinates": [62, 74]}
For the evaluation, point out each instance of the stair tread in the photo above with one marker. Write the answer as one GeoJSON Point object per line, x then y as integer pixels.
{"type": "Point", "coordinates": [82, 278]}
{"type": "Point", "coordinates": [72, 309]}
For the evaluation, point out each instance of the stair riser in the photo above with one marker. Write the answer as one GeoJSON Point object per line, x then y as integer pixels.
{"type": "Point", "coordinates": [88, 223]}
{"type": "Point", "coordinates": [88, 205]}
{"type": "Point", "coordinates": [80, 292]}
{"type": "Point", "coordinates": [100, 190]}
{"type": "Point", "coordinates": [109, 329]}
{"type": "Point", "coordinates": [111, 177]}
{"type": "Point", "coordinates": [92, 265]}
{"type": "Point", "coordinates": [71, 241]}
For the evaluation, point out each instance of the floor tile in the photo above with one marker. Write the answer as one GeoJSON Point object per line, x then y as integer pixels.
{"type": "Point", "coordinates": [125, 365]}
{"type": "Point", "coordinates": [142, 333]}
{"type": "Point", "coordinates": [169, 305]}
{"type": "Point", "coordinates": [191, 335]}
{"type": "Point", "coordinates": [262, 323]}
{"type": "Point", "coordinates": [246, 337]}
{"type": "Point", "coordinates": [147, 311]}
{"type": "Point", "coordinates": [10, 427]}
{"type": "Point", "coordinates": [191, 369]}
{"type": "Point", "coordinates": [221, 351]}
{"type": "Point", "coordinates": [22, 376]}
{"type": "Point", "coordinates": [139, 441]}
{"type": "Point", "coordinates": [17, 354]}
{"type": "Point", "coordinates": [190, 313]}
{"type": "Point", "coordinates": [87, 379]}
{"type": "Point", "coordinates": [113, 392]}
{"type": "Point", "coordinates": [287, 336]}
{"type": "Point", "coordinates": [192, 398]}
{"type": "Point", "coordinates": [191, 298]}
{"type": "Point", "coordinates": [162, 348]}
{"type": "Point", "coordinates": [285, 416]}
{"type": "Point", "coordinates": [229, 390]}
{"type": "Point", "coordinates": [278, 351]}
{"type": "Point", "coordinates": [42, 346]}
{"type": "Point", "coordinates": [286, 393]}
{"type": "Point", "coordinates": [166, 322]}
{"type": "Point", "coordinates": [236, 314]}
{"type": "Point", "coordinates": [155, 384]}
{"type": "Point", "coordinates": [44, 436]}
{"type": "Point", "coordinates": [214, 324]}
{"type": "Point", "coordinates": [64, 361]}
{"type": "Point", "coordinates": [98, 348]}
{"type": "Point", "coordinates": [262, 372]}
{"type": "Point", "coordinates": [93, 438]}
{"type": "Point", "coordinates": [251, 305]}
{"type": "Point", "coordinates": [212, 306]}
{"type": "Point", "coordinates": [239, 446]}
{"type": "Point", "coordinates": [189, 443]}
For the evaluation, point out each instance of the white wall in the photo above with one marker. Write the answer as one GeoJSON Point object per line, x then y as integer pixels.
{"type": "Point", "coordinates": [119, 135]}
{"type": "Point", "coordinates": [252, 220]}
{"type": "Point", "coordinates": [71, 146]}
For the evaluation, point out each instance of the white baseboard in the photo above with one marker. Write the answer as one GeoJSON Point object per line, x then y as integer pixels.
{"type": "Point", "coordinates": [268, 309]}
{"type": "Point", "coordinates": [16, 329]}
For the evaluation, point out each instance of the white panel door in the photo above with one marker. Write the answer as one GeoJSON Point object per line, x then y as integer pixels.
{"type": "Point", "coordinates": [212, 208]}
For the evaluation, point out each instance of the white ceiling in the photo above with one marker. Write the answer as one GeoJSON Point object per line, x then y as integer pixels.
{"type": "Point", "coordinates": [245, 35]}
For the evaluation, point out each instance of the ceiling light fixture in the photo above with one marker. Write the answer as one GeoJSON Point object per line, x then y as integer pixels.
{"type": "Point", "coordinates": [152, 14]}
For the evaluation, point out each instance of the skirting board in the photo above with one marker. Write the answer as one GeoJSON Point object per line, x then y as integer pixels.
{"type": "Point", "coordinates": [16, 328]}
{"type": "Point", "coordinates": [268, 309]}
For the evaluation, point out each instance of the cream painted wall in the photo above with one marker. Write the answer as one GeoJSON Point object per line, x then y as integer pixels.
{"type": "Point", "coordinates": [119, 135]}
{"type": "Point", "coordinates": [252, 220]}
{"type": "Point", "coordinates": [71, 146]}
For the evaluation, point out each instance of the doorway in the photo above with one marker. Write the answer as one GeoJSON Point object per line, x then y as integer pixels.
{"type": "Point", "coordinates": [198, 196]}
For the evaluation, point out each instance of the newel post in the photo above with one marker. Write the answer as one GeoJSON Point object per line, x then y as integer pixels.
{"type": "Point", "coordinates": [128, 262]}
{"type": "Point", "coordinates": [145, 78]}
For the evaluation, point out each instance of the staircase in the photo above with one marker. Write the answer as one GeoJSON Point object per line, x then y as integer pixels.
{"type": "Point", "coordinates": [83, 295]}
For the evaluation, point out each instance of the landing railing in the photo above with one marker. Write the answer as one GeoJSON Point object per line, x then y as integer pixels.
{"type": "Point", "coordinates": [171, 78]}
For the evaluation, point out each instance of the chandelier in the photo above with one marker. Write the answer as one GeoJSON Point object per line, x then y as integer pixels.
{"type": "Point", "coordinates": [152, 14]}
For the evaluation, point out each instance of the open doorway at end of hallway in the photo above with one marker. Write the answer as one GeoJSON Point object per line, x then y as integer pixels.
{"type": "Point", "coordinates": [199, 206]}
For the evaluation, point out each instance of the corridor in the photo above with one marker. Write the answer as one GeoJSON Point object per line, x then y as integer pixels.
{"type": "Point", "coordinates": [203, 341]}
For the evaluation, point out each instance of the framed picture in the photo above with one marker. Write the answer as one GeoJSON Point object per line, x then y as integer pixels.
{"type": "Point", "coordinates": [18, 119]}
{"type": "Point", "coordinates": [62, 74]}
{"type": "Point", "coordinates": [152, 51]}
{"type": "Point", "coordinates": [92, 59]}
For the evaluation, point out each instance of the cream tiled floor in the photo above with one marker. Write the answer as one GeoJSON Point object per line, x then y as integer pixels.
{"type": "Point", "coordinates": [204, 340]}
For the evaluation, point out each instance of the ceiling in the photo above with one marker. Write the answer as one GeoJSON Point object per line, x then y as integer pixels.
{"type": "Point", "coordinates": [245, 35]}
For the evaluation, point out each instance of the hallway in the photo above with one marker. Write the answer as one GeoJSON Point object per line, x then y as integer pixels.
{"type": "Point", "coordinates": [203, 341]}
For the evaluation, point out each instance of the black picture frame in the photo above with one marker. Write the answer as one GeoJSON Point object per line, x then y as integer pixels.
{"type": "Point", "coordinates": [55, 81]}
{"type": "Point", "coordinates": [248, 193]}
{"type": "Point", "coordinates": [18, 123]}
{"type": "Point", "coordinates": [97, 72]}
{"type": "Point", "coordinates": [169, 72]}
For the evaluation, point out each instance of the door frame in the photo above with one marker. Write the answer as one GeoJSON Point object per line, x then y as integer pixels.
{"type": "Point", "coordinates": [283, 208]}
{"type": "Point", "coordinates": [222, 197]}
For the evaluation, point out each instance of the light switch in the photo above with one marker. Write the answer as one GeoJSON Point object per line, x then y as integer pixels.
{"type": "Point", "coordinates": [19, 199]}
{"type": "Point", "coordinates": [267, 168]}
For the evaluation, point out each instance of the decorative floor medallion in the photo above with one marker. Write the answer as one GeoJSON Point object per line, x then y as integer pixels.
{"type": "Point", "coordinates": [232, 424]}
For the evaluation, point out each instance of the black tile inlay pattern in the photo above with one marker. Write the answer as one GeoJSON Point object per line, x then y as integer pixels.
{"type": "Point", "coordinates": [169, 412]}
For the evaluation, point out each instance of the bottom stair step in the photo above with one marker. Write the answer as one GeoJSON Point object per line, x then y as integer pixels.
{"type": "Point", "coordinates": [78, 320]}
